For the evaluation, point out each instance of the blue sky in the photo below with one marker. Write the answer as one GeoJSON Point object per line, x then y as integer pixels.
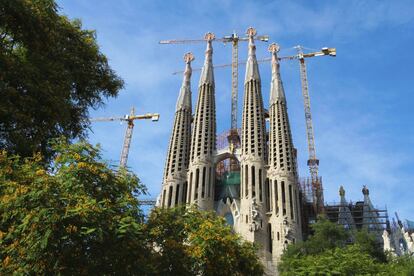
{"type": "Point", "coordinates": [361, 100]}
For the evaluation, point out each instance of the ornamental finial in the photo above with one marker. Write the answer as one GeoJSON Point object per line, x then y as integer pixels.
{"type": "Point", "coordinates": [251, 32]}
{"type": "Point", "coordinates": [274, 48]}
{"type": "Point", "coordinates": [188, 57]}
{"type": "Point", "coordinates": [209, 36]}
{"type": "Point", "coordinates": [365, 190]}
{"type": "Point", "coordinates": [341, 191]}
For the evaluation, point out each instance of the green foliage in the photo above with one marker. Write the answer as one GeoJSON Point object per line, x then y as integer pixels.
{"type": "Point", "coordinates": [327, 252]}
{"type": "Point", "coordinates": [349, 260]}
{"type": "Point", "coordinates": [326, 236]}
{"type": "Point", "coordinates": [401, 266]}
{"type": "Point", "coordinates": [78, 218]}
{"type": "Point", "coordinates": [369, 245]}
{"type": "Point", "coordinates": [193, 242]}
{"type": "Point", "coordinates": [51, 73]}
{"type": "Point", "coordinates": [82, 218]}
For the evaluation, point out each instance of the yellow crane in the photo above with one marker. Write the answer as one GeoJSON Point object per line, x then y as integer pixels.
{"type": "Point", "coordinates": [313, 161]}
{"type": "Point", "coordinates": [128, 134]}
{"type": "Point", "coordinates": [234, 38]}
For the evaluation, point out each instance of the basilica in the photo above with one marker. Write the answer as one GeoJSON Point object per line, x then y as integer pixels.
{"type": "Point", "coordinates": [253, 183]}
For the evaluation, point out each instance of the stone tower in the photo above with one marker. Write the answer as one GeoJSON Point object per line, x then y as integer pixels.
{"type": "Point", "coordinates": [284, 220]}
{"type": "Point", "coordinates": [263, 202]}
{"type": "Point", "coordinates": [252, 225]}
{"type": "Point", "coordinates": [201, 171]}
{"type": "Point", "coordinates": [175, 185]}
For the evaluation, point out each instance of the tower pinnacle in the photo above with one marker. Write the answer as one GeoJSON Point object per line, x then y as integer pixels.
{"type": "Point", "coordinates": [276, 85]}
{"type": "Point", "coordinates": [252, 68]}
{"type": "Point", "coordinates": [175, 185]}
{"type": "Point", "coordinates": [184, 98]}
{"type": "Point", "coordinates": [203, 138]}
{"type": "Point", "coordinates": [207, 75]}
{"type": "Point", "coordinates": [341, 191]}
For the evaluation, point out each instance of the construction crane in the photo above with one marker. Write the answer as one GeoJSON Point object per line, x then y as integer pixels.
{"type": "Point", "coordinates": [234, 38]}
{"type": "Point", "coordinates": [128, 134]}
{"type": "Point", "coordinates": [313, 162]}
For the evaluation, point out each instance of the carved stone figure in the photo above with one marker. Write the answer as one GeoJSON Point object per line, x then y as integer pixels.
{"type": "Point", "coordinates": [287, 230]}
{"type": "Point", "coordinates": [255, 216]}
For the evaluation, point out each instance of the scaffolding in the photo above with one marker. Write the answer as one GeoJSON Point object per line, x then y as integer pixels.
{"type": "Point", "coordinates": [311, 205]}
{"type": "Point", "coordinates": [358, 216]}
{"type": "Point", "coordinates": [227, 170]}
{"type": "Point", "coordinates": [352, 216]}
{"type": "Point", "coordinates": [374, 219]}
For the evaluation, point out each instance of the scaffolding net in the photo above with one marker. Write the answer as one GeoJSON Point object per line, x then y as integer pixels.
{"type": "Point", "coordinates": [227, 172]}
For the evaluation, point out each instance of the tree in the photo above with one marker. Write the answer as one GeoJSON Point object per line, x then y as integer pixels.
{"type": "Point", "coordinates": [51, 73]}
{"type": "Point", "coordinates": [349, 260]}
{"type": "Point", "coordinates": [193, 242]}
{"type": "Point", "coordinates": [403, 265]}
{"type": "Point", "coordinates": [326, 236]}
{"type": "Point", "coordinates": [78, 218]}
{"type": "Point", "coordinates": [370, 245]}
{"type": "Point", "coordinates": [328, 252]}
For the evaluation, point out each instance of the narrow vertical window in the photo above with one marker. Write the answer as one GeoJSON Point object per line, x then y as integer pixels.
{"type": "Point", "coordinates": [268, 195]}
{"type": "Point", "coordinates": [260, 186]}
{"type": "Point", "coordinates": [177, 192]}
{"type": "Point", "coordinates": [210, 182]}
{"type": "Point", "coordinates": [276, 197]}
{"type": "Point", "coordinates": [190, 188]}
{"type": "Point", "coordinates": [253, 182]}
{"type": "Point", "coordinates": [197, 178]}
{"type": "Point", "coordinates": [296, 206]}
{"type": "Point", "coordinates": [246, 180]}
{"type": "Point", "coordinates": [241, 183]}
{"type": "Point", "coordinates": [163, 198]}
{"type": "Point", "coordinates": [203, 185]}
{"type": "Point", "coordinates": [291, 201]}
{"type": "Point", "coordinates": [170, 190]}
{"type": "Point", "coordinates": [184, 194]}
{"type": "Point", "coordinates": [283, 198]}
{"type": "Point", "coordinates": [269, 237]}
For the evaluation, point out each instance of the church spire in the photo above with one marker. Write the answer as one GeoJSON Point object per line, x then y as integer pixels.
{"type": "Point", "coordinates": [252, 68]}
{"type": "Point", "coordinates": [277, 91]}
{"type": "Point", "coordinates": [344, 215]}
{"type": "Point", "coordinates": [184, 98]}
{"type": "Point", "coordinates": [207, 75]}
{"type": "Point", "coordinates": [203, 139]}
{"type": "Point", "coordinates": [175, 185]}
{"type": "Point", "coordinates": [253, 152]}
{"type": "Point", "coordinates": [282, 165]}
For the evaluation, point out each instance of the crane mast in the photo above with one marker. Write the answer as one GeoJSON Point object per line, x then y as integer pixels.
{"type": "Point", "coordinates": [234, 80]}
{"type": "Point", "coordinates": [128, 137]}
{"type": "Point", "coordinates": [127, 140]}
{"type": "Point", "coordinates": [128, 134]}
{"type": "Point", "coordinates": [234, 38]}
{"type": "Point", "coordinates": [313, 161]}
{"type": "Point", "coordinates": [234, 139]}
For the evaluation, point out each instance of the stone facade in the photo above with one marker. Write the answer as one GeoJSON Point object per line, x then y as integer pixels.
{"type": "Point", "coordinates": [284, 219]}
{"type": "Point", "coordinates": [265, 207]}
{"type": "Point", "coordinates": [175, 184]}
